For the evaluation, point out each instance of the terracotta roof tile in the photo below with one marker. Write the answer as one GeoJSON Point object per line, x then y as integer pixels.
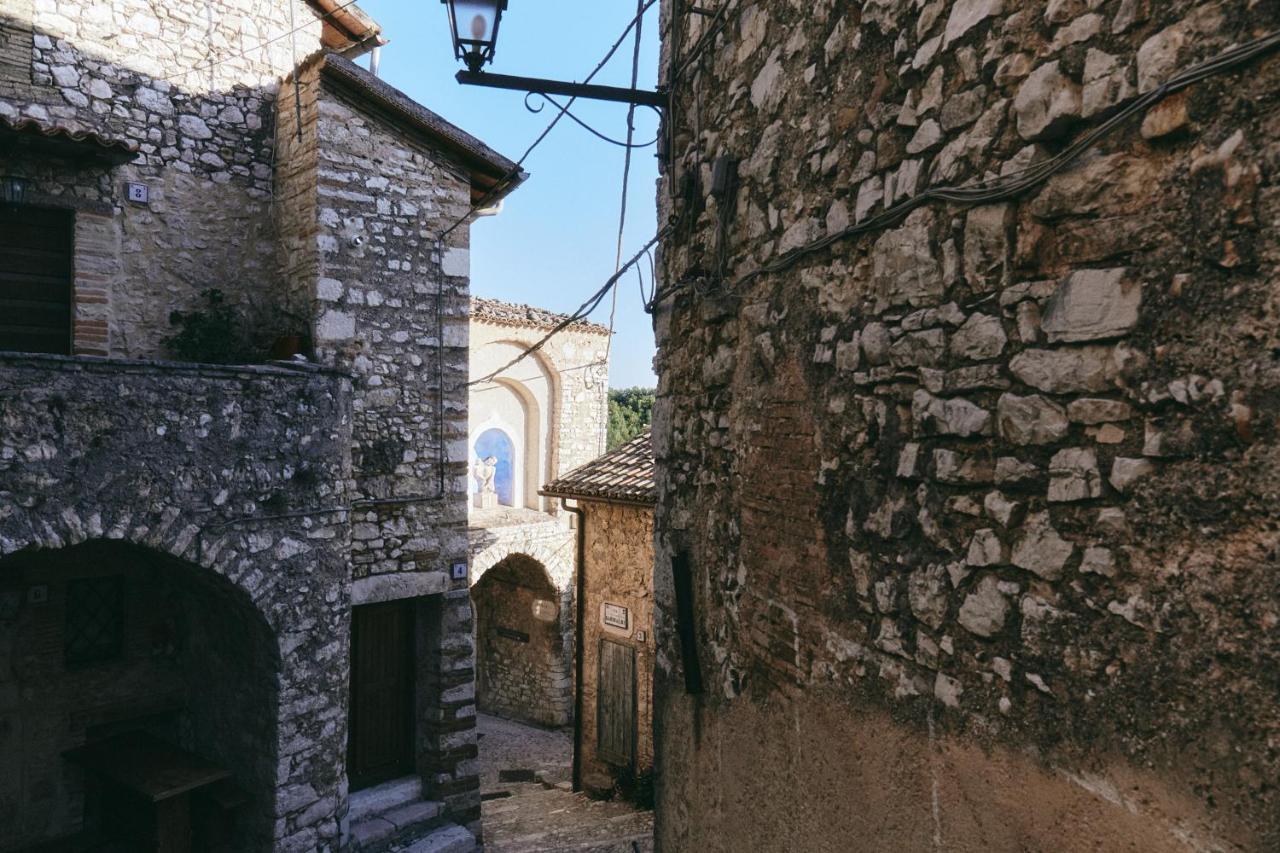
{"type": "Point", "coordinates": [511, 314]}
{"type": "Point", "coordinates": [624, 474]}
{"type": "Point", "coordinates": [65, 138]}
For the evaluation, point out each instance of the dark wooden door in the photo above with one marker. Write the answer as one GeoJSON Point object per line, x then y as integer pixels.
{"type": "Point", "coordinates": [380, 738]}
{"type": "Point", "coordinates": [616, 704]}
{"type": "Point", "coordinates": [35, 279]}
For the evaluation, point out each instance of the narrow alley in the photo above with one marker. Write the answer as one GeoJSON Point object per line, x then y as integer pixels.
{"type": "Point", "coordinates": [528, 805]}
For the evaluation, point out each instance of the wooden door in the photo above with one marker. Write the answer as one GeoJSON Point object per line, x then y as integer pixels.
{"type": "Point", "coordinates": [380, 737]}
{"type": "Point", "coordinates": [616, 704]}
{"type": "Point", "coordinates": [35, 279]}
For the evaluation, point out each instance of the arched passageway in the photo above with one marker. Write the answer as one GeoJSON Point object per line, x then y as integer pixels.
{"type": "Point", "coordinates": [521, 670]}
{"type": "Point", "coordinates": [105, 642]}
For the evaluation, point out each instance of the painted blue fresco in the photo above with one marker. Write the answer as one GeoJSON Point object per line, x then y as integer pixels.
{"type": "Point", "coordinates": [494, 442]}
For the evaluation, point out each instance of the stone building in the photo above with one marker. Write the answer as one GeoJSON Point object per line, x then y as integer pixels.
{"type": "Point", "coordinates": [966, 497]}
{"type": "Point", "coordinates": [263, 564]}
{"type": "Point", "coordinates": [613, 729]}
{"type": "Point", "coordinates": [535, 419]}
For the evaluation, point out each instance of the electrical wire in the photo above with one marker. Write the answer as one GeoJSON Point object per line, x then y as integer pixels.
{"type": "Point", "coordinates": [1015, 183]}
{"type": "Point", "coordinates": [515, 170]}
{"type": "Point", "coordinates": [626, 177]}
{"type": "Point", "coordinates": [581, 314]}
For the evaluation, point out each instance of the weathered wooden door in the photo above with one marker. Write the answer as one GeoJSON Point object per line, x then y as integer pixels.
{"type": "Point", "coordinates": [380, 737]}
{"type": "Point", "coordinates": [35, 279]}
{"type": "Point", "coordinates": [616, 704]}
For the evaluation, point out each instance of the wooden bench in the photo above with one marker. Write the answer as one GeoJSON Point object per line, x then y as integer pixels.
{"type": "Point", "coordinates": [150, 771]}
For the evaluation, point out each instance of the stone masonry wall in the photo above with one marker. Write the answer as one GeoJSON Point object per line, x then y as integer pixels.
{"type": "Point", "coordinates": [362, 207]}
{"type": "Point", "coordinates": [392, 305]}
{"type": "Point", "coordinates": [234, 482]}
{"type": "Point", "coordinates": [194, 86]}
{"type": "Point", "coordinates": [619, 570]}
{"type": "Point", "coordinates": [979, 506]}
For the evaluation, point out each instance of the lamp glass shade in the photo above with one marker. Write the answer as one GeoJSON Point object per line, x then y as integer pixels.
{"type": "Point", "coordinates": [475, 29]}
{"type": "Point", "coordinates": [13, 190]}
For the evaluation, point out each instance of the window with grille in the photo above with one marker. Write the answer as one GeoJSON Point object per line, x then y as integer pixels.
{"type": "Point", "coordinates": [94, 629]}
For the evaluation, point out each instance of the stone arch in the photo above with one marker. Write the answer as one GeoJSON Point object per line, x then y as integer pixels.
{"type": "Point", "coordinates": [521, 668]}
{"type": "Point", "coordinates": [261, 565]}
{"type": "Point", "coordinates": [535, 384]}
{"type": "Point", "coordinates": [188, 657]}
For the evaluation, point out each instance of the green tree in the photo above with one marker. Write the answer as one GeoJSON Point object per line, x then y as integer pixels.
{"type": "Point", "coordinates": [630, 412]}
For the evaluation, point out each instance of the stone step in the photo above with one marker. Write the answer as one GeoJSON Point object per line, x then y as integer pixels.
{"type": "Point", "coordinates": [378, 832]}
{"type": "Point", "coordinates": [384, 797]}
{"type": "Point", "coordinates": [449, 838]}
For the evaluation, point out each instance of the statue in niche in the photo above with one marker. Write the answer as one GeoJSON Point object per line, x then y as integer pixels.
{"type": "Point", "coordinates": [484, 471]}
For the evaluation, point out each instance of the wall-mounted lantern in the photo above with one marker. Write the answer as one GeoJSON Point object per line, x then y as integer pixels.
{"type": "Point", "coordinates": [13, 190]}
{"type": "Point", "coordinates": [475, 37]}
{"type": "Point", "coordinates": [475, 29]}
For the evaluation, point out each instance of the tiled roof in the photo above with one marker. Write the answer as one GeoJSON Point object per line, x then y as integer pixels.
{"type": "Point", "coordinates": [625, 475]}
{"type": "Point", "coordinates": [65, 139]}
{"type": "Point", "coordinates": [510, 314]}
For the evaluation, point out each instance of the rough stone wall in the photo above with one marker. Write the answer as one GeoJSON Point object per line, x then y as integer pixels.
{"type": "Point", "coordinates": [362, 205]}
{"type": "Point", "coordinates": [195, 89]}
{"type": "Point", "coordinates": [619, 570]}
{"type": "Point", "coordinates": [236, 480]}
{"type": "Point", "coordinates": [979, 507]}
{"type": "Point", "coordinates": [391, 304]}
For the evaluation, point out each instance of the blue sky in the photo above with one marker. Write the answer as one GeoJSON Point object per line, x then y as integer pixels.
{"type": "Point", "coordinates": [554, 243]}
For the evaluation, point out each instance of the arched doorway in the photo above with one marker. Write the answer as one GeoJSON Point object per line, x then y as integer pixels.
{"type": "Point", "coordinates": [521, 671]}
{"type": "Point", "coordinates": [107, 642]}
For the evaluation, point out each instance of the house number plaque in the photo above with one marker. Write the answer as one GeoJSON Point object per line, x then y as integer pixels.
{"type": "Point", "coordinates": [617, 616]}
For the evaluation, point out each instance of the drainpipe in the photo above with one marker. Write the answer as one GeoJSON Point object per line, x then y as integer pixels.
{"type": "Point", "coordinates": [375, 59]}
{"type": "Point", "coordinates": [579, 639]}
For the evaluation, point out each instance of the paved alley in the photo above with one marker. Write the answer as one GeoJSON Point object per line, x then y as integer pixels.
{"type": "Point", "coordinates": [529, 807]}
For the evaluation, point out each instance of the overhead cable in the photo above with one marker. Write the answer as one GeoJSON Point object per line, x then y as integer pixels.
{"type": "Point", "coordinates": [577, 316]}
{"type": "Point", "coordinates": [1017, 183]}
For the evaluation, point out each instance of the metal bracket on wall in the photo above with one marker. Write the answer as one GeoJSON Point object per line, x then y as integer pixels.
{"type": "Point", "coordinates": [542, 86]}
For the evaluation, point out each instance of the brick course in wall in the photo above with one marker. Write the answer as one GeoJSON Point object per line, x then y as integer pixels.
{"type": "Point", "coordinates": [979, 503]}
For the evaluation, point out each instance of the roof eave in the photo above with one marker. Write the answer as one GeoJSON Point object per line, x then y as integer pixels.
{"type": "Point", "coordinates": [578, 496]}
{"type": "Point", "coordinates": [347, 28]}
{"type": "Point", "coordinates": [492, 176]}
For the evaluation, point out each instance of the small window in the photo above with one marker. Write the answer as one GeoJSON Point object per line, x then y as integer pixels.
{"type": "Point", "coordinates": [94, 629]}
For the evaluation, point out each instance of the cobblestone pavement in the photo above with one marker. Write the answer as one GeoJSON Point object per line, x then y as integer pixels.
{"type": "Point", "coordinates": [528, 807]}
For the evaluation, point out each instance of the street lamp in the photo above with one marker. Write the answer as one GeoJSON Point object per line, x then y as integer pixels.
{"type": "Point", "coordinates": [13, 190]}
{"type": "Point", "coordinates": [475, 35]}
{"type": "Point", "coordinates": [475, 29]}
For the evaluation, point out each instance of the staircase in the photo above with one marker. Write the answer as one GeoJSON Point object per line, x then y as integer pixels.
{"type": "Point", "coordinates": [393, 816]}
